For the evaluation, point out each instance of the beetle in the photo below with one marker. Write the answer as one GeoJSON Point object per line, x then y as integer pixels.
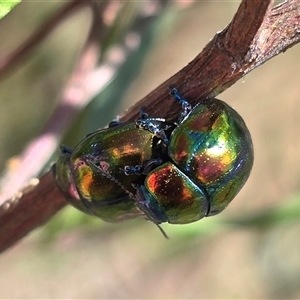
{"type": "Point", "coordinates": [210, 155]}
{"type": "Point", "coordinates": [97, 176]}
{"type": "Point", "coordinates": [175, 172]}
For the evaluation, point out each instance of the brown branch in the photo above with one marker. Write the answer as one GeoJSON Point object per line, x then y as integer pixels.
{"type": "Point", "coordinates": [256, 34]}
{"type": "Point", "coordinates": [30, 210]}
{"type": "Point", "coordinates": [280, 31]}
{"type": "Point", "coordinates": [218, 66]}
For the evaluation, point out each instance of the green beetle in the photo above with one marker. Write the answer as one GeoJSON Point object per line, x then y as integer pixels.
{"type": "Point", "coordinates": [169, 172]}
{"type": "Point", "coordinates": [210, 158]}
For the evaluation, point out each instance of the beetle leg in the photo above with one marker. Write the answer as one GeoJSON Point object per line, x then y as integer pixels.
{"type": "Point", "coordinates": [151, 164]}
{"type": "Point", "coordinates": [133, 170]}
{"type": "Point", "coordinates": [67, 150]}
{"type": "Point", "coordinates": [185, 105]}
{"type": "Point", "coordinates": [143, 114]}
{"type": "Point", "coordinates": [114, 123]}
{"type": "Point", "coordinates": [154, 126]}
{"type": "Point", "coordinates": [142, 170]}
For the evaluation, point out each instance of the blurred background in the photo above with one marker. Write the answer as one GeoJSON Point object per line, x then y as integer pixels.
{"type": "Point", "coordinates": [251, 250]}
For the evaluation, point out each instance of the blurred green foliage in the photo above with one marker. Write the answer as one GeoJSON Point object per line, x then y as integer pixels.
{"type": "Point", "coordinates": [6, 6]}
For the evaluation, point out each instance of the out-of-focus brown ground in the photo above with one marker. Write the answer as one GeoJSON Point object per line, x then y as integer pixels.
{"type": "Point", "coordinates": [133, 260]}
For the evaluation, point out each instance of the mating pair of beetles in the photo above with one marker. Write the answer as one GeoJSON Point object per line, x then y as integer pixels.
{"type": "Point", "coordinates": [175, 172]}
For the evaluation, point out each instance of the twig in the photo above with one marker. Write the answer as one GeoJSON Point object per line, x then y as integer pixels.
{"type": "Point", "coordinates": [21, 215]}
{"type": "Point", "coordinates": [257, 33]}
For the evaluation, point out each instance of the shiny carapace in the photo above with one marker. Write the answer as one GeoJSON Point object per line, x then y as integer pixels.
{"type": "Point", "coordinates": [176, 172]}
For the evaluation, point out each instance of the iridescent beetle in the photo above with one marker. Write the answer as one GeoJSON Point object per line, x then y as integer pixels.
{"type": "Point", "coordinates": [210, 158]}
{"type": "Point", "coordinates": [169, 172]}
{"type": "Point", "coordinates": [98, 176]}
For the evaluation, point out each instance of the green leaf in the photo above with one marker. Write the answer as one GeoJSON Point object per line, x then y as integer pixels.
{"type": "Point", "coordinates": [6, 6]}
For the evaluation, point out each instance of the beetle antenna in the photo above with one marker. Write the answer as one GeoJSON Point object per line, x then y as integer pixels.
{"type": "Point", "coordinates": [162, 231]}
{"type": "Point", "coordinates": [185, 105]}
